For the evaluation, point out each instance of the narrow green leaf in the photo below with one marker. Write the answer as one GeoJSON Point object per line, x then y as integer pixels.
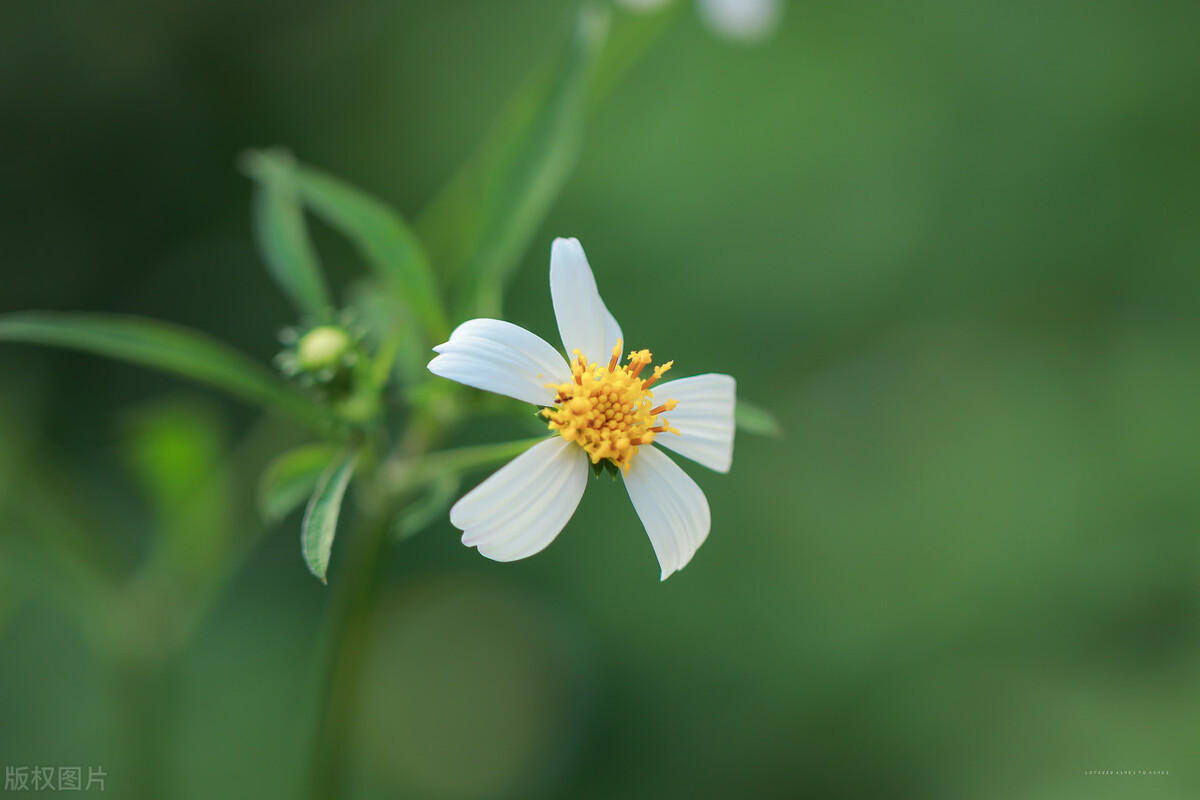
{"type": "Point", "coordinates": [385, 240]}
{"type": "Point", "coordinates": [382, 237]}
{"type": "Point", "coordinates": [282, 234]}
{"type": "Point", "coordinates": [756, 420]}
{"type": "Point", "coordinates": [170, 348]}
{"type": "Point", "coordinates": [481, 223]}
{"type": "Point", "coordinates": [291, 479]}
{"type": "Point", "coordinates": [321, 516]}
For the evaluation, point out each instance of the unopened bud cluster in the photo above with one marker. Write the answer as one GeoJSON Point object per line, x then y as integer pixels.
{"type": "Point", "coordinates": [322, 356]}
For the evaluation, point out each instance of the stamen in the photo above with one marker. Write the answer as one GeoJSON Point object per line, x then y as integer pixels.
{"type": "Point", "coordinates": [659, 371]}
{"type": "Point", "coordinates": [638, 362]}
{"type": "Point", "coordinates": [667, 406]}
{"type": "Point", "coordinates": [608, 412]}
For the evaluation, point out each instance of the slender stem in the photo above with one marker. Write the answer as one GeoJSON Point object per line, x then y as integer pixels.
{"type": "Point", "coordinates": [348, 634]}
{"type": "Point", "coordinates": [347, 644]}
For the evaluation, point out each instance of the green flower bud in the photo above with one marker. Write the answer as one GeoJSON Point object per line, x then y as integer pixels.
{"type": "Point", "coordinates": [322, 348]}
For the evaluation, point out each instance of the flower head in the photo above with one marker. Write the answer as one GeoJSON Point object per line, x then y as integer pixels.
{"type": "Point", "coordinates": [600, 409]}
{"type": "Point", "coordinates": [607, 410]}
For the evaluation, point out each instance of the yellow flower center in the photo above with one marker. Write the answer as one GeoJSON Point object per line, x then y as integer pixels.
{"type": "Point", "coordinates": [609, 411]}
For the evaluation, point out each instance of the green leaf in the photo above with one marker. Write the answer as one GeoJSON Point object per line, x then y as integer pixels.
{"type": "Point", "coordinates": [758, 421]}
{"type": "Point", "coordinates": [283, 236]}
{"type": "Point", "coordinates": [321, 516]}
{"type": "Point", "coordinates": [382, 237]}
{"type": "Point", "coordinates": [481, 223]}
{"type": "Point", "coordinates": [291, 479]}
{"type": "Point", "coordinates": [170, 348]}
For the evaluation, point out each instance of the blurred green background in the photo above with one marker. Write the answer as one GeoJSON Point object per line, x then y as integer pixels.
{"type": "Point", "coordinates": [953, 246]}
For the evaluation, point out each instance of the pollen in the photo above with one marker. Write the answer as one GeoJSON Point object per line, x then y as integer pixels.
{"type": "Point", "coordinates": [609, 410]}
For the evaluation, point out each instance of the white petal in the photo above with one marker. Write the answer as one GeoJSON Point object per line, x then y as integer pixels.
{"type": "Point", "coordinates": [672, 507]}
{"type": "Point", "coordinates": [704, 418]}
{"type": "Point", "coordinates": [743, 20]}
{"type": "Point", "coordinates": [500, 357]}
{"type": "Point", "coordinates": [583, 320]}
{"type": "Point", "coordinates": [523, 506]}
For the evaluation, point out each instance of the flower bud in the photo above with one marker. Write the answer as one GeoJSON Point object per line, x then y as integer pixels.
{"type": "Point", "coordinates": [322, 348]}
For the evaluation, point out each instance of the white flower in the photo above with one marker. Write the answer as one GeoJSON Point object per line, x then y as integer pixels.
{"type": "Point", "coordinates": [600, 410]}
{"type": "Point", "coordinates": [743, 20]}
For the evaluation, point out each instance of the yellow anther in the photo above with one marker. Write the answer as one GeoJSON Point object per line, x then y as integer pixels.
{"type": "Point", "coordinates": [659, 371]}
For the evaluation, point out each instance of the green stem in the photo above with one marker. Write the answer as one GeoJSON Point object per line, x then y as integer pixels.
{"type": "Point", "coordinates": [348, 635]}
{"type": "Point", "coordinates": [347, 643]}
